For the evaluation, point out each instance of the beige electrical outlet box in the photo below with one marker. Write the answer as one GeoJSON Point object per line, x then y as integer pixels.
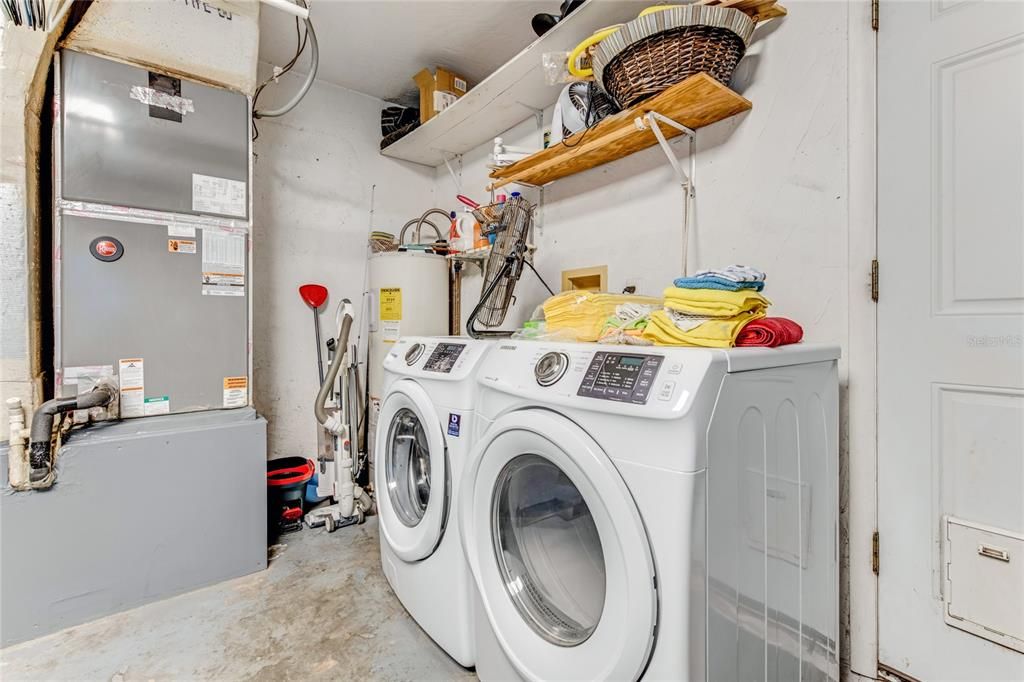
{"type": "Point", "coordinates": [594, 278]}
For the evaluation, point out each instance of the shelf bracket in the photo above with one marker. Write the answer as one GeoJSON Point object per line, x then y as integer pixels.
{"type": "Point", "coordinates": [652, 120]}
{"type": "Point", "coordinates": [456, 177]}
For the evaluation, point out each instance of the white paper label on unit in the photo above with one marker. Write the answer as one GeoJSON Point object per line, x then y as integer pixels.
{"type": "Point", "coordinates": [75, 380]}
{"type": "Point", "coordinates": [223, 262]}
{"type": "Point", "coordinates": [179, 230]}
{"type": "Point", "coordinates": [133, 386]}
{"type": "Point", "coordinates": [390, 330]}
{"type": "Point", "coordinates": [236, 391]}
{"type": "Point", "coordinates": [160, 404]}
{"type": "Point", "coordinates": [218, 195]}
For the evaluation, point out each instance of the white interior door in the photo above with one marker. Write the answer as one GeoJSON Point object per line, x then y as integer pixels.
{"type": "Point", "coordinates": [950, 330]}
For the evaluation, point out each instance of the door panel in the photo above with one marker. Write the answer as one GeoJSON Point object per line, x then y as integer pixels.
{"type": "Point", "coordinates": [950, 322]}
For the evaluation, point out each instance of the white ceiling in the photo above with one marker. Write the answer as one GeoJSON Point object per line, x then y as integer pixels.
{"type": "Point", "coordinates": [376, 46]}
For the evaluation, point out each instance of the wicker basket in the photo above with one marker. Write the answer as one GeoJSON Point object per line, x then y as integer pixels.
{"type": "Point", "coordinates": [656, 51]}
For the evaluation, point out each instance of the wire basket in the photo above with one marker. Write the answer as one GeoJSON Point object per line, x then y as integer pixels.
{"type": "Point", "coordinates": [489, 215]}
{"type": "Point", "coordinates": [656, 51]}
{"type": "Point", "coordinates": [501, 275]}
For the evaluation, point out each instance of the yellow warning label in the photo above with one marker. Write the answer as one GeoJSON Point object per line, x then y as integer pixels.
{"type": "Point", "coordinates": [390, 304]}
{"type": "Point", "coordinates": [236, 382]}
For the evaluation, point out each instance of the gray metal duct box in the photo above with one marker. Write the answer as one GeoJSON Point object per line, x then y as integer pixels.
{"type": "Point", "coordinates": [151, 300]}
{"type": "Point", "coordinates": [132, 137]}
{"type": "Point", "coordinates": [141, 510]}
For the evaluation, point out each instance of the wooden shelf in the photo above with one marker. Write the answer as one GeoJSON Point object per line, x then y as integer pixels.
{"type": "Point", "coordinates": [698, 101]}
{"type": "Point", "coordinates": [511, 94]}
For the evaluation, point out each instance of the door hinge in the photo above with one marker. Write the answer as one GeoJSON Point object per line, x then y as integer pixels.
{"type": "Point", "coordinates": [874, 15]}
{"type": "Point", "coordinates": [874, 280]}
{"type": "Point", "coordinates": [874, 552]}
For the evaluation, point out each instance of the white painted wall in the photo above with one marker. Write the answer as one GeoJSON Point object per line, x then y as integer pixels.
{"type": "Point", "coordinates": [786, 187]}
{"type": "Point", "coordinates": [314, 173]}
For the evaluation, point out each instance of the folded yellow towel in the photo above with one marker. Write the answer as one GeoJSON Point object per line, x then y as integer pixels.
{"type": "Point", "coordinates": [720, 332]}
{"type": "Point", "coordinates": [715, 302]}
{"type": "Point", "coordinates": [584, 313]}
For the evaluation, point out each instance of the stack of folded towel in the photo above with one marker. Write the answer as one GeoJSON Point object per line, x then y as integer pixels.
{"type": "Point", "coordinates": [719, 309]}
{"type": "Point", "coordinates": [709, 317]}
{"type": "Point", "coordinates": [586, 314]}
{"type": "Point", "coordinates": [729, 278]}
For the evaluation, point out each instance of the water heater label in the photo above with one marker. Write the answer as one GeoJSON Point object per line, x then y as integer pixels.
{"type": "Point", "coordinates": [131, 377]}
{"type": "Point", "coordinates": [390, 304]}
{"type": "Point", "coordinates": [391, 330]}
{"type": "Point", "coordinates": [218, 195]}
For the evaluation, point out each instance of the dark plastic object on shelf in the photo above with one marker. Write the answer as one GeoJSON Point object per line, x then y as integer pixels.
{"type": "Point", "coordinates": [544, 22]}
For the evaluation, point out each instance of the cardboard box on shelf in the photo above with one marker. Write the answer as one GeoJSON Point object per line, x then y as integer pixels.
{"type": "Point", "coordinates": [438, 91]}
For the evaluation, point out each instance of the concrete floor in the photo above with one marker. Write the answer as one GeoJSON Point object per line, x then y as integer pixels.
{"type": "Point", "coordinates": [323, 610]}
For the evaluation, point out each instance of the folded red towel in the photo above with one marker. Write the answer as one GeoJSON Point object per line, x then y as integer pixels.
{"type": "Point", "coordinates": [771, 332]}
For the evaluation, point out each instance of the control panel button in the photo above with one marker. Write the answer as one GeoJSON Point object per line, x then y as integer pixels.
{"type": "Point", "coordinates": [666, 390]}
{"type": "Point", "coordinates": [675, 368]}
{"type": "Point", "coordinates": [414, 353]}
{"type": "Point", "coordinates": [550, 368]}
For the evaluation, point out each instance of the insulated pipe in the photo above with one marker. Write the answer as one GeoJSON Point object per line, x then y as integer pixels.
{"type": "Point", "coordinates": [310, 77]}
{"type": "Point", "coordinates": [40, 460]}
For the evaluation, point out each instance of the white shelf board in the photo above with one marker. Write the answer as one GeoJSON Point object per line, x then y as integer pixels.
{"type": "Point", "coordinates": [513, 93]}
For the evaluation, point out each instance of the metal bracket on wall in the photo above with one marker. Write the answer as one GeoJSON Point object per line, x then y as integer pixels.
{"type": "Point", "coordinates": [652, 120]}
{"type": "Point", "coordinates": [456, 177]}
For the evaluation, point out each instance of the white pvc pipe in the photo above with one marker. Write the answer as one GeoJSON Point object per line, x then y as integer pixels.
{"type": "Point", "coordinates": [17, 458]}
{"type": "Point", "coordinates": [284, 6]}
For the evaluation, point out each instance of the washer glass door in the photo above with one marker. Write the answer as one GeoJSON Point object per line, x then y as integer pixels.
{"type": "Point", "coordinates": [411, 476]}
{"type": "Point", "coordinates": [407, 467]}
{"type": "Point", "coordinates": [548, 550]}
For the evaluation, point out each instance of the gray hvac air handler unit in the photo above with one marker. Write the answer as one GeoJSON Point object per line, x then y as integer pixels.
{"type": "Point", "coordinates": [152, 234]}
{"type": "Point", "coordinates": [151, 302]}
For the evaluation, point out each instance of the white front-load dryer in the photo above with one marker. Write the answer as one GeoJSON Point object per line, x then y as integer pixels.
{"type": "Point", "coordinates": [424, 434]}
{"type": "Point", "coordinates": [656, 513]}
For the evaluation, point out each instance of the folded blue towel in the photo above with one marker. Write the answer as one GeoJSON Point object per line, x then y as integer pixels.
{"type": "Point", "coordinates": [712, 282]}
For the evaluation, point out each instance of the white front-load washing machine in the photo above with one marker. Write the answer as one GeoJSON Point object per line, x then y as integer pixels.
{"type": "Point", "coordinates": [656, 513]}
{"type": "Point", "coordinates": [423, 439]}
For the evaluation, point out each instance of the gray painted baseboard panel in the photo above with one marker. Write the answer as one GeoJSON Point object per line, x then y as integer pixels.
{"type": "Point", "coordinates": [142, 509]}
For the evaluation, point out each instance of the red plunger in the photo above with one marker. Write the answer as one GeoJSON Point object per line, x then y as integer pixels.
{"type": "Point", "coordinates": [315, 295]}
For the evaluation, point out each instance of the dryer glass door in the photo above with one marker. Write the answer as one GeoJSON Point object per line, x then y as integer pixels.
{"type": "Point", "coordinates": [411, 477]}
{"type": "Point", "coordinates": [548, 550]}
{"type": "Point", "coordinates": [558, 551]}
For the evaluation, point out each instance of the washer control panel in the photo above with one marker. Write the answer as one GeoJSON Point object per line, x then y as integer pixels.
{"type": "Point", "coordinates": [443, 357]}
{"type": "Point", "coordinates": [622, 377]}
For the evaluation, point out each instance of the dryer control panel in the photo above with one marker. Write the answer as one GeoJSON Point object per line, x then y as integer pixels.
{"type": "Point", "coordinates": [622, 377]}
{"type": "Point", "coordinates": [443, 358]}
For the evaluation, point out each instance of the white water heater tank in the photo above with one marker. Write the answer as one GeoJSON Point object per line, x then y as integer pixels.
{"type": "Point", "coordinates": [409, 297]}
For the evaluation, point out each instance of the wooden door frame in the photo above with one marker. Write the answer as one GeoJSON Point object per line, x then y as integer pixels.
{"type": "Point", "coordinates": [861, 476]}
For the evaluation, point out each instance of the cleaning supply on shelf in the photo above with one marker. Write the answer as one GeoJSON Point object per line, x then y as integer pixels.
{"type": "Point", "coordinates": [584, 313]}
{"type": "Point", "coordinates": [770, 332]}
